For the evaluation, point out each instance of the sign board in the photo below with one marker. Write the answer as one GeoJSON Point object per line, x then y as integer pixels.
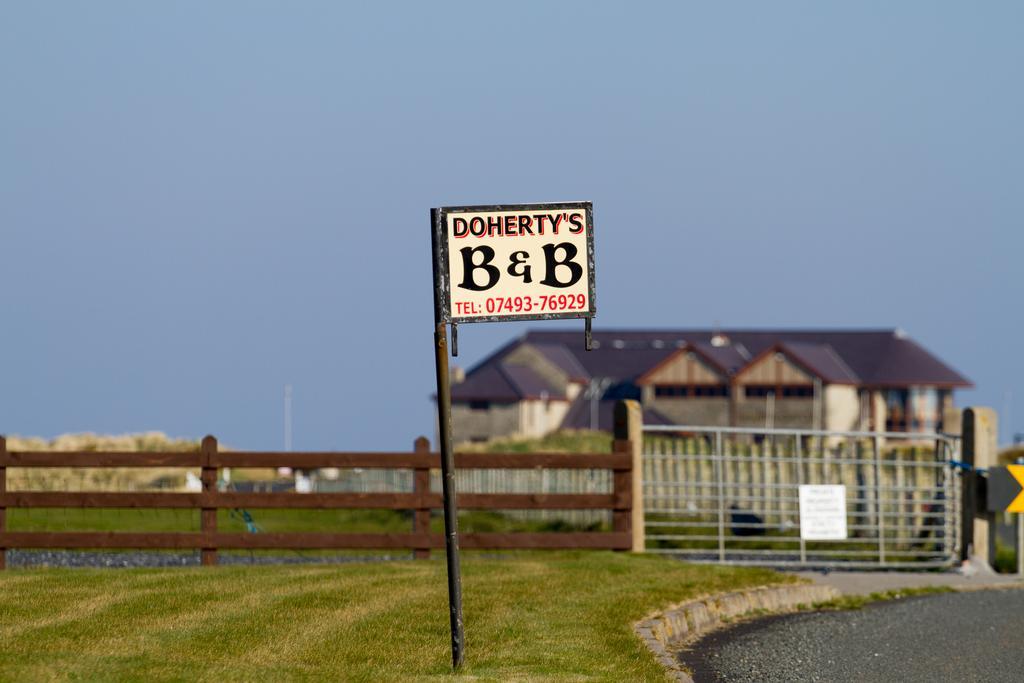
{"type": "Point", "coordinates": [501, 262]}
{"type": "Point", "coordinates": [514, 262]}
{"type": "Point", "coordinates": [1005, 491]}
{"type": "Point", "coordinates": [822, 512]}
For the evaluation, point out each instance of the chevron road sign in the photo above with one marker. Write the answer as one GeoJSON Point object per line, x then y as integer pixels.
{"type": "Point", "coordinates": [1005, 489]}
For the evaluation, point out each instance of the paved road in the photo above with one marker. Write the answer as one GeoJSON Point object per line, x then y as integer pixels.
{"type": "Point", "coordinates": [973, 636]}
{"type": "Point", "coordinates": [862, 583]}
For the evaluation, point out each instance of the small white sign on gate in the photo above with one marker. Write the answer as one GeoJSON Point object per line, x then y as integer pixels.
{"type": "Point", "coordinates": [822, 512]}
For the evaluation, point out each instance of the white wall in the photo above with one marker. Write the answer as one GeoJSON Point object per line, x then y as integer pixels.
{"type": "Point", "coordinates": [842, 407]}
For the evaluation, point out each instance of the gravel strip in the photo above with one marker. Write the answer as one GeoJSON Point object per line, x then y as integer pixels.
{"type": "Point", "coordinates": [69, 558]}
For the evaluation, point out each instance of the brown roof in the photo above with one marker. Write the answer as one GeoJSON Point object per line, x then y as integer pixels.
{"type": "Point", "coordinates": [822, 360]}
{"type": "Point", "coordinates": [874, 357]}
{"type": "Point", "coordinates": [730, 358]}
{"type": "Point", "coordinates": [504, 383]}
{"type": "Point", "coordinates": [486, 383]}
{"type": "Point", "coordinates": [564, 359]}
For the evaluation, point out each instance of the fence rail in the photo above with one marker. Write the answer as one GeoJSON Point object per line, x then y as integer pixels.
{"type": "Point", "coordinates": [469, 482]}
{"type": "Point", "coordinates": [421, 500]}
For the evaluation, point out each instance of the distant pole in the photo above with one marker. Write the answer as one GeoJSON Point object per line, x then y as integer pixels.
{"type": "Point", "coordinates": [593, 403]}
{"type": "Point", "coordinates": [1007, 434]}
{"type": "Point", "coordinates": [816, 421]}
{"type": "Point", "coordinates": [594, 392]}
{"type": "Point", "coordinates": [287, 418]}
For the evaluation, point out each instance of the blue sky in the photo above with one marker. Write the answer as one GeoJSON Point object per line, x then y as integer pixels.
{"type": "Point", "coordinates": [202, 202]}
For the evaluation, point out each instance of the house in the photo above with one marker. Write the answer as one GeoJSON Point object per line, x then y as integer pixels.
{"type": "Point", "coordinates": [871, 380]}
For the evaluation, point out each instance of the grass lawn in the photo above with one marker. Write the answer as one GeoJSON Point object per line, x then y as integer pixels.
{"type": "Point", "coordinates": [529, 616]}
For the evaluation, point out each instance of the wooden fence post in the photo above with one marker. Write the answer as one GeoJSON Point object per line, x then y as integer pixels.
{"type": "Point", "coordinates": [208, 520]}
{"type": "Point", "coordinates": [980, 451]}
{"type": "Point", "coordinates": [3, 510]}
{"type": "Point", "coordinates": [421, 485]}
{"type": "Point", "coordinates": [629, 435]}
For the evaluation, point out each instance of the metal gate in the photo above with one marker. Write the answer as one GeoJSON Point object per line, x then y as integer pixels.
{"type": "Point", "coordinates": [731, 495]}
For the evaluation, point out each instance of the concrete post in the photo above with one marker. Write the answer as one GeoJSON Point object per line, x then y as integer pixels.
{"type": "Point", "coordinates": [629, 427]}
{"type": "Point", "coordinates": [980, 430]}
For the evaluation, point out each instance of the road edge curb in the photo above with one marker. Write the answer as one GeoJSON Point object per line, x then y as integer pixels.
{"type": "Point", "coordinates": [671, 627]}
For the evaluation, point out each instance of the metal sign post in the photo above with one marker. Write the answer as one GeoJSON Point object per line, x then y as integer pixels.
{"type": "Point", "coordinates": [444, 428]}
{"type": "Point", "coordinates": [498, 263]}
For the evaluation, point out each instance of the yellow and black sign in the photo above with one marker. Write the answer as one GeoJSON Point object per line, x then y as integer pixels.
{"type": "Point", "coordinates": [1006, 489]}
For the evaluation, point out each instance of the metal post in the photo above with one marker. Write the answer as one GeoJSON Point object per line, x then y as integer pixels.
{"type": "Point", "coordinates": [1020, 544]}
{"type": "Point", "coordinates": [878, 500]}
{"type": "Point", "coordinates": [968, 495]}
{"type": "Point", "coordinates": [956, 487]}
{"type": "Point", "coordinates": [799, 481]}
{"type": "Point", "coordinates": [287, 418]}
{"type": "Point", "coordinates": [1020, 536]}
{"type": "Point", "coordinates": [720, 478]}
{"type": "Point", "coordinates": [944, 477]}
{"type": "Point", "coordinates": [444, 422]}
{"type": "Point", "coordinates": [951, 534]}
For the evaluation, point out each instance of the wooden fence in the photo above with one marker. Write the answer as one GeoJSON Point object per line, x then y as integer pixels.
{"type": "Point", "coordinates": [535, 480]}
{"type": "Point", "coordinates": [421, 500]}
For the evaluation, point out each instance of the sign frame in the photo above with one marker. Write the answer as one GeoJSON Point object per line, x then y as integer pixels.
{"type": "Point", "coordinates": [442, 278]}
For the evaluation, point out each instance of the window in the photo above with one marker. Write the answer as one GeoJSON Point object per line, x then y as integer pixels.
{"type": "Point", "coordinates": [780, 390]}
{"type": "Point", "coordinates": [944, 401]}
{"type": "Point", "coordinates": [917, 409]}
{"type": "Point", "coordinates": [924, 409]}
{"type": "Point", "coordinates": [691, 390]}
{"type": "Point", "coordinates": [479, 405]}
{"type": "Point", "coordinates": [896, 401]}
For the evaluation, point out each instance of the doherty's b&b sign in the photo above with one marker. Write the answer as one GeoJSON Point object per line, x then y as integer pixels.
{"type": "Point", "coordinates": [514, 262]}
{"type": "Point", "coordinates": [504, 262]}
